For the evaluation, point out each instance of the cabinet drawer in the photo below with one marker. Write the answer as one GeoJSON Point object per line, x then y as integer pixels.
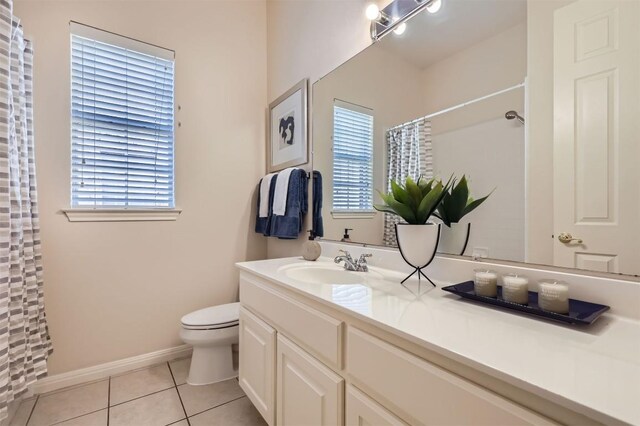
{"type": "Point", "coordinates": [258, 364]}
{"type": "Point", "coordinates": [424, 393]}
{"type": "Point", "coordinates": [318, 333]}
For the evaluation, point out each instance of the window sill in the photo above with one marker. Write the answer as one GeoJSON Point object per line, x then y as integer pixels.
{"type": "Point", "coordinates": [353, 215]}
{"type": "Point", "coordinates": [121, 215]}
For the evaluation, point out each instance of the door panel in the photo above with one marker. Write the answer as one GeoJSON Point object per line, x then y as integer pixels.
{"type": "Point", "coordinates": [597, 262]}
{"type": "Point", "coordinates": [257, 363]}
{"type": "Point", "coordinates": [595, 150]}
{"type": "Point", "coordinates": [308, 392]}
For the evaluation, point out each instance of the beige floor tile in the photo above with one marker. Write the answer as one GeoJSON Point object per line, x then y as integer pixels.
{"type": "Point", "coordinates": [200, 398]}
{"type": "Point", "coordinates": [140, 383]}
{"type": "Point", "coordinates": [160, 408]}
{"type": "Point", "coordinates": [240, 412]}
{"type": "Point", "coordinates": [66, 404]}
{"type": "Point", "coordinates": [24, 411]}
{"type": "Point", "coordinates": [180, 423]}
{"type": "Point", "coordinates": [180, 370]}
{"type": "Point", "coordinates": [99, 418]}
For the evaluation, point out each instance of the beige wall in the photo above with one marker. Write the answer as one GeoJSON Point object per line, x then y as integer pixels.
{"type": "Point", "coordinates": [483, 68]}
{"type": "Point", "coordinates": [308, 39]}
{"type": "Point", "coordinates": [115, 290]}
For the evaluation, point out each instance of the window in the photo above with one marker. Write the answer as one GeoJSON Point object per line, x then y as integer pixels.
{"type": "Point", "coordinates": [121, 122]}
{"type": "Point", "coordinates": [352, 158]}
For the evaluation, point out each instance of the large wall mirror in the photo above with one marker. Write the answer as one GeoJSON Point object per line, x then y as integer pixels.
{"type": "Point", "coordinates": [535, 100]}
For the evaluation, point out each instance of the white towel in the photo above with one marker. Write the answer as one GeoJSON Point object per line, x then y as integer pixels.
{"type": "Point", "coordinates": [265, 185]}
{"type": "Point", "coordinates": [281, 191]}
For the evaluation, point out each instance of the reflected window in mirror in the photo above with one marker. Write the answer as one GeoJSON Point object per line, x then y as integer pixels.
{"type": "Point", "coordinates": [352, 159]}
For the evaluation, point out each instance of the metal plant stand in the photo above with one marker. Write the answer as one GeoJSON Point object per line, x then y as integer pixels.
{"type": "Point", "coordinates": [418, 269]}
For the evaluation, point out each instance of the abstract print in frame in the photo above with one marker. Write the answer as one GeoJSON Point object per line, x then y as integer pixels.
{"type": "Point", "coordinates": [287, 141]}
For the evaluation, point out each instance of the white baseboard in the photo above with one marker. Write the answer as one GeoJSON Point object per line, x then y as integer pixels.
{"type": "Point", "coordinates": [102, 371]}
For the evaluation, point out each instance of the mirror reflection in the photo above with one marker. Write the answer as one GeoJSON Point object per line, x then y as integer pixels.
{"type": "Point", "coordinates": [533, 102]}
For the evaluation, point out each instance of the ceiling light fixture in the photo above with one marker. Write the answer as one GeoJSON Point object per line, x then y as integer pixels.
{"type": "Point", "coordinates": [372, 12]}
{"type": "Point", "coordinates": [401, 11]}
{"type": "Point", "coordinates": [434, 6]}
{"type": "Point", "coordinates": [400, 29]}
{"type": "Point", "coordinates": [376, 16]}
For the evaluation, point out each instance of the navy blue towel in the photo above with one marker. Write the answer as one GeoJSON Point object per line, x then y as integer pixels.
{"type": "Point", "coordinates": [317, 226]}
{"type": "Point", "coordinates": [290, 225]}
{"type": "Point", "coordinates": [263, 224]}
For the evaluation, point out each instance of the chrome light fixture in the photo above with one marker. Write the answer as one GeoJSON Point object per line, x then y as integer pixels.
{"type": "Point", "coordinates": [394, 15]}
{"type": "Point", "coordinates": [374, 14]}
{"type": "Point", "coordinates": [400, 29]}
{"type": "Point", "coordinates": [434, 6]}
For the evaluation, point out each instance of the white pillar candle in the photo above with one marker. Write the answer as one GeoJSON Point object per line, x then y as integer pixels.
{"type": "Point", "coordinates": [485, 283]}
{"type": "Point", "coordinates": [554, 296]}
{"type": "Point", "coordinates": [515, 288]}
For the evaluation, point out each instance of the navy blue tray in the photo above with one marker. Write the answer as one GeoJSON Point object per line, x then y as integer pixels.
{"type": "Point", "coordinates": [579, 312]}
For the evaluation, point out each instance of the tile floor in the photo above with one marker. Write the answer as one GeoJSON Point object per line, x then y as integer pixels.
{"type": "Point", "coordinates": [154, 396]}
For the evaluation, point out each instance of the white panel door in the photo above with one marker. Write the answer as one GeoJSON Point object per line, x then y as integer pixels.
{"type": "Point", "coordinates": [309, 393]}
{"type": "Point", "coordinates": [257, 363]}
{"type": "Point", "coordinates": [364, 411]}
{"type": "Point", "coordinates": [597, 133]}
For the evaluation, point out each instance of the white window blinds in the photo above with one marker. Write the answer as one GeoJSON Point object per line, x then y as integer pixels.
{"type": "Point", "coordinates": [121, 122]}
{"type": "Point", "coordinates": [352, 158]}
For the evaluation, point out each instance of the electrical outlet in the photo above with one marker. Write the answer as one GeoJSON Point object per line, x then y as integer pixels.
{"type": "Point", "coordinates": [480, 252]}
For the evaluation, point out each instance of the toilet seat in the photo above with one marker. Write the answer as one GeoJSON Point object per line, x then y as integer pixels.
{"type": "Point", "coordinates": [211, 326]}
{"type": "Point", "coordinates": [212, 318]}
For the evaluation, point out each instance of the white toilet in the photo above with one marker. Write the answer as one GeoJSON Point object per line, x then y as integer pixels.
{"type": "Point", "coordinates": [212, 332]}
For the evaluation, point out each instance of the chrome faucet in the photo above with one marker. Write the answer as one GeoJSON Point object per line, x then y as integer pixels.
{"type": "Point", "coordinates": [362, 262]}
{"type": "Point", "coordinates": [359, 265]}
{"type": "Point", "coordinates": [349, 264]}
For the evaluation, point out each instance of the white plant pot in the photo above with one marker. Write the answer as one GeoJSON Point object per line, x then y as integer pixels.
{"type": "Point", "coordinates": [454, 239]}
{"type": "Point", "coordinates": [418, 243]}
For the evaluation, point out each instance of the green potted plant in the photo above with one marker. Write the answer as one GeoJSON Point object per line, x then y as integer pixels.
{"type": "Point", "coordinates": [456, 204]}
{"type": "Point", "coordinates": [415, 202]}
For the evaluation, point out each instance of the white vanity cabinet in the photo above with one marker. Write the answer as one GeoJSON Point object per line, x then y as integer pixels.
{"type": "Point", "coordinates": [301, 364]}
{"type": "Point", "coordinates": [290, 378]}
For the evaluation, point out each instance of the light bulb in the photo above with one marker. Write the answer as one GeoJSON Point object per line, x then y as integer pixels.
{"type": "Point", "coordinates": [372, 12]}
{"type": "Point", "coordinates": [434, 6]}
{"type": "Point", "coordinates": [400, 29]}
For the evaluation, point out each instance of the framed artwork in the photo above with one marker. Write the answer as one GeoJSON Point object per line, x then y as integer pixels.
{"type": "Point", "coordinates": [287, 140]}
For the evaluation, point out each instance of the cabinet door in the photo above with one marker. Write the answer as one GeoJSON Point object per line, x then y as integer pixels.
{"type": "Point", "coordinates": [257, 363]}
{"type": "Point", "coordinates": [362, 410]}
{"type": "Point", "coordinates": [309, 393]}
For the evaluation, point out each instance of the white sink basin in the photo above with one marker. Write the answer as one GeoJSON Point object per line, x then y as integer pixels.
{"type": "Point", "coordinates": [326, 273]}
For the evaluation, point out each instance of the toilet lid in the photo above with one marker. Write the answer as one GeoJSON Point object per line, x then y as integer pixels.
{"type": "Point", "coordinates": [215, 315]}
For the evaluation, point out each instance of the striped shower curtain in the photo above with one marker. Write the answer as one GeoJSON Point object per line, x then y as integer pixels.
{"type": "Point", "coordinates": [24, 338]}
{"type": "Point", "coordinates": [409, 153]}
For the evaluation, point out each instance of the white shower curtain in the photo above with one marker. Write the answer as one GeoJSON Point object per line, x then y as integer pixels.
{"type": "Point", "coordinates": [24, 339]}
{"type": "Point", "coordinates": [409, 153]}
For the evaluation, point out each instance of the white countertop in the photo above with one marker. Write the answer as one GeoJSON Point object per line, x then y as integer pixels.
{"type": "Point", "coordinates": [594, 370]}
